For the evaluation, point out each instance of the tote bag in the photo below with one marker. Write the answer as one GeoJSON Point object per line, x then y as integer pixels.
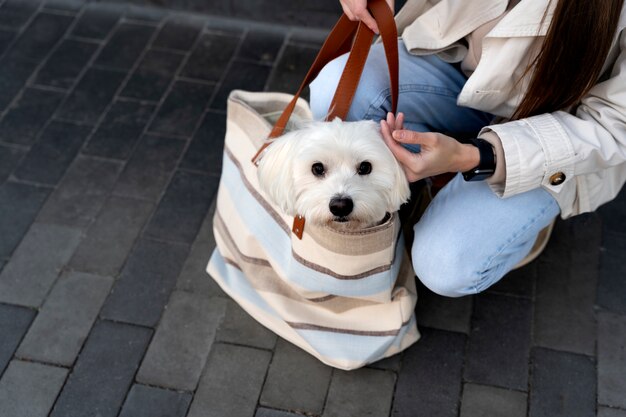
{"type": "Point", "coordinates": [346, 297]}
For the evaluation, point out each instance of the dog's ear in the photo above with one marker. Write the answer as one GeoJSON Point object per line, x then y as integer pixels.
{"type": "Point", "coordinates": [400, 192]}
{"type": "Point", "coordinates": [275, 172]}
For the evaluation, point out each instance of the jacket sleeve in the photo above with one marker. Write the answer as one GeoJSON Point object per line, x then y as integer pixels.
{"type": "Point", "coordinates": [591, 139]}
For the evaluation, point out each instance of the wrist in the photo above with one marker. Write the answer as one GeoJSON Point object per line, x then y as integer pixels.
{"type": "Point", "coordinates": [469, 157]}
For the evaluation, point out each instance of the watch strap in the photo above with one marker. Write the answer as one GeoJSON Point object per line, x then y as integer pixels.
{"type": "Point", "coordinates": [487, 165]}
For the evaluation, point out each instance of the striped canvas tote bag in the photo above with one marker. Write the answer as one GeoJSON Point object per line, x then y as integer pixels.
{"type": "Point", "coordinates": [346, 297]}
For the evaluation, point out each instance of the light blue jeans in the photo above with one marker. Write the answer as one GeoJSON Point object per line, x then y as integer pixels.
{"type": "Point", "coordinates": [468, 238]}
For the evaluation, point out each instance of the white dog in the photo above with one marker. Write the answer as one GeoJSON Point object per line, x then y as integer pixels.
{"type": "Point", "coordinates": [336, 173]}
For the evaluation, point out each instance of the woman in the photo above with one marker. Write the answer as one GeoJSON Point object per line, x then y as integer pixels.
{"type": "Point", "coordinates": [543, 83]}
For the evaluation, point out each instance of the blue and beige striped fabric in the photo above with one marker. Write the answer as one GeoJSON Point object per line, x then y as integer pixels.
{"type": "Point", "coordinates": [346, 298]}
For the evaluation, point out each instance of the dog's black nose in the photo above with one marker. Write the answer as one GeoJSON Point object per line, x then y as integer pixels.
{"type": "Point", "coordinates": [341, 207]}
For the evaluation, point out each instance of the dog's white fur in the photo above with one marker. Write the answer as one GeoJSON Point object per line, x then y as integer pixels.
{"type": "Point", "coordinates": [285, 173]}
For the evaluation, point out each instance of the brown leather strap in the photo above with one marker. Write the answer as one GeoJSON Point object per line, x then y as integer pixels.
{"type": "Point", "coordinates": [338, 43]}
{"type": "Point", "coordinates": [348, 83]}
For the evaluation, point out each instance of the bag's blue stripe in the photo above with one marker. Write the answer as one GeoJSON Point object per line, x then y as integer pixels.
{"type": "Point", "coordinates": [333, 345]}
{"type": "Point", "coordinates": [277, 244]}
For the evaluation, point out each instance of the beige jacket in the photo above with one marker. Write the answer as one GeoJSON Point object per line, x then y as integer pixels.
{"type": "Point", "coordinates": [578, 156]}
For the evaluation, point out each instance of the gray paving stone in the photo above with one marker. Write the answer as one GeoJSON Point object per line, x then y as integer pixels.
{"type": "Point", "coordinates": [430, 380]}
{"type": "Point", "coordinates": [28, 115]}
{"type": "Point", "coordinates": [243, 76]}
{"type": "Point", "coordinates": [183, 207]}
{"type": "Point", "coordinates": [146, 401]}
{"type": "Point", "coordinates": [610, 412]}
{"type": "Point", "coordinates": [103, 372]}
{"type": "Point", "coordinates": [520, 282]}
{"type": "Point", "coordinates": [39, 37]}
{"type": "Point", "coordinates": [97, 21]}
{"type": "Point", "coordinates": [14, 322]}
{"type": "Point", "coordinates": [149, 167]}
{"type": "Point", "coordinates": [91, 96]}
{"type": "Point", "coordinates": [34, 266]}
{"type": "Point", "coordinates": [65, 5]}
{"type": "Point", "coordinates": [179, 32]}
{"type": "Point", "coordinates": [240, 328]}
{"type": "Point", "coordinates": [611, 289]}
{"type": "Point", "coordinates": [112, 235]}
{"type": "Point", "coordinates": [444, 313]}
{"type": "Point", "coordinates": [193, 277]}
{"type": "Point", "coordinates": [182, 108]}
{"type": "Point", "coordinates": [309, 37]}
{"type": "Point", "coordinates": [261, 45]}
{"type": "Point", "coordinates": [290, 70]}
{"type": "Point", "coordinates": [125, 46]}
{"type": "Point", "coordinates": [62, 325]}
{"type": "Point", "coordinates": [486, 401]}
{"type": "Point", "coordinates": [6, 37]}
{"type": "Point", "coordinates": [360, 392]}
{"type": "Point", "coordinates": [19, 205]}
{"type": "Point", "coordinates": [145, 284]}
{"type": "Point", "coordinates": [82, 192]}
{"type": "Point", "coordinates": [49, 157]}
{"type": "Point", "coordinates": [153, 75]}
{"type": "Point", "coordinates": [231, 382]}
{"type": "Point", "coordinates": [13, 76]}
{"type": "Point", "coordinates": [205, 150]}
{"type": "Point", "coordinates": [29, 389]}
{"type": "Point", "coordinates": [120, 130]}
{"type": "Point", "coordinates": [182, 342]}
{"type": "Point", "coordinates": [65, 64]}
{"type": "Point", "coordinates": [15, 13]}
{"type": "Point", "coordinates": [499, 344]}
{"type": "Point", "coordinates": [391, 363]}
{"type": "Point", "coordinates": [564, 317]}
{"type": "Point", "coordinates": [146, 13]}
{"type": "Point", "coordinates": [10, 158]}
{"type": "Point", "coordinates": [295, 381]}
{"type": "Point", "coordinates": [613, 214]}
{"type": "Point", "coordinates": [268, 412]}
{"type": "Point", "coordinates": [210, 57]}
{"type": "Point", "coordinates": [563, 384]}
{"type": "Point", "coordinates": [612, 359]}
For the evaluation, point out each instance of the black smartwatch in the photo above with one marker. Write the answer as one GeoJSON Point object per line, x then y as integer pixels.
{"type": "Point", "coordinates": [487, 165]}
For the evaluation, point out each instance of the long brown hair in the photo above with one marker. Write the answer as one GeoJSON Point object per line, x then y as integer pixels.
{"type": "Point", "coordinates": [572, 55]}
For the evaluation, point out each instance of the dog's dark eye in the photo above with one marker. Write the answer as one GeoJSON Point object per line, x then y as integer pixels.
{"type": "Point", "coordinates": [365, 168]}
{"type": "Point", "coordinates": [318, 169]}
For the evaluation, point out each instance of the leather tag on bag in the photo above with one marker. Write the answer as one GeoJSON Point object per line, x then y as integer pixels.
{"type": "Point", "coordinates": [298, 226]}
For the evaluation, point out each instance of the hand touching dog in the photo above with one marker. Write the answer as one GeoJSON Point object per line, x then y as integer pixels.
{"type": "Point", "coordinates": [439, 153]}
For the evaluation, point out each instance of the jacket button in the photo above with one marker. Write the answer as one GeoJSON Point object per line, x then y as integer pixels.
{"type": "Point", "coordinates": [557, 179]}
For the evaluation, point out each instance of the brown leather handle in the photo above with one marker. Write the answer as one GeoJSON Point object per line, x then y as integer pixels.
{"type": "Point", "coordinates": [351, 75]}
{"type": "Point", "coordinates": [338, 43]}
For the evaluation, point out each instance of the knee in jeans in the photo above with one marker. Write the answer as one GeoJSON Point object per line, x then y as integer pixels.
{"type": "Point", "coordinates": [445, 273]}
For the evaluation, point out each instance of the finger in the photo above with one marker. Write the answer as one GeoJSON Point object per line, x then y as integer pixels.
{"type": "Point", "coordinates": [421, 138]}
{"type": "Point", "coordinates": [349, 13]}
{"type": "Point", "coordinates": [403, 155]}
{"type": "Point", "coordinates": [364, 16]}
{"type": "Point", "coordinates": [391, 121]}
{"type": "Point", "coordinates": [400, 121]}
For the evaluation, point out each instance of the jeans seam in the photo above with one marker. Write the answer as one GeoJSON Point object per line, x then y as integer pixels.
{"type": "Point", "coordinates": [385, 95]}
{"type": "Point", "coordinates": [490, 260]}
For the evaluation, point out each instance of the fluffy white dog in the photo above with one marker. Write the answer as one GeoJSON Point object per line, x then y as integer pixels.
{"type": "Point", "coordinates": [336, 173]}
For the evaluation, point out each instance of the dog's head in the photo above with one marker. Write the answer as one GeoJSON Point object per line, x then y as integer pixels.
{"type": "Point", "coordinates": [336, 173]}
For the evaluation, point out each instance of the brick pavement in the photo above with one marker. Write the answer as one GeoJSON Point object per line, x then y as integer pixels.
{"type": "Point", "coordinates": [111, 129]}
